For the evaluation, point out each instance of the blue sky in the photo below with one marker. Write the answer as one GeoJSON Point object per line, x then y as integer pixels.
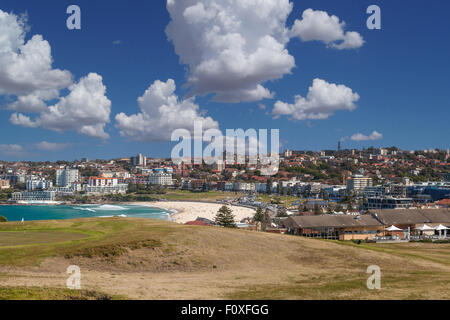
{"type": "Point", "coordinates": [400, 73]}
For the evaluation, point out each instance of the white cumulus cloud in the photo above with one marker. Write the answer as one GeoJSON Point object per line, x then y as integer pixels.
{"type": "Point", "coordinates": [372, 137]}
{"type": "Point", "coordinates": [231, 47]}
{"type": "Point", "coordinates": [28, 79]}
{"type": "Point", "coordinates": [26, 66]}
{"type": "Point", "coordinates": [86, 109]}
{"type": "Point", "coordinates": [317, 25]}
{"type": "Point", "coordinates": [162, 112]}
{"type": "Point", "coordinates": [322, 101]}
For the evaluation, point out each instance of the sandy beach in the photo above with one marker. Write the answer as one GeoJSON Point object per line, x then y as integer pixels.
{"type": "Point", "coordinates": [189, 211]}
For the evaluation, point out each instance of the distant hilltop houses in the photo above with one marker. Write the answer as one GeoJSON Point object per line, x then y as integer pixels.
{"type": "Point", "coordinates": [347, 179]}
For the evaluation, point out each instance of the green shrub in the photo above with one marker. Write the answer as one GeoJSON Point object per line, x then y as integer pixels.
{"type": "Point", "coordinates": [3, 219]}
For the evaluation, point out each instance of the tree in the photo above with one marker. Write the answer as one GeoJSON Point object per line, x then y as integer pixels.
{"type": "Point", "coordinates": [3, 219]}
{"type": "Point", "coordinates": [259, 215]}
{"type": "Point", "coordinates": [350, 206]}
{"type": "Point", "coordinates": [266, 220]}
{"type": "Point", "coordinates": [225, 217]}
{"type": "Point", "coordinates": [281, 213]}
{"type": "Point", "coordinates": [317, 210]}
{"type": "Point", "coordinates": [269, 186]}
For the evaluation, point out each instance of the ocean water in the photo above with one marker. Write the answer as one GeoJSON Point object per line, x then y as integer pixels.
{"type": "Point", "coordinates": [50, 212]}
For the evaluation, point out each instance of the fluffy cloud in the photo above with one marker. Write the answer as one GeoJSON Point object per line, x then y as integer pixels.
{"type": "Point", "coordinates": [231, 46]}
{"type": "Point", "coordinates": [33, 102]}
{"type": "Point", "coordinates": [26, 67]}
{"type": "Point", "coordinates": [11, 150]}
{"type": "Point", "coordinates": [372, 137]}
{"type": "Point", "coordinates": [161, 113]}
{"type": "Point", "coordinates": [51, 146]}
{"type": "Point", "coordinates": [27, 75]}
{"type": "Point", "coordinates": [85, 109]}
{"type": "Point", "coordinates": [317, 25]}
{"type": "Point", "coordinates": [322, 101]}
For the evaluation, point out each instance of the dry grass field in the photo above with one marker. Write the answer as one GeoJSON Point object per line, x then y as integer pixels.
{"type": "Point", "coordinates": [151, 259]}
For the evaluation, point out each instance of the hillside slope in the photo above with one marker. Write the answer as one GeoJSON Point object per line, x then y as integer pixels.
{"type": "Point", "coordinates": [152, 259]}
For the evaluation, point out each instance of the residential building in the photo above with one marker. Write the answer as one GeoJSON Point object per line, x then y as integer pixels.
{"type": "Point", "coordinates": [40, 184]}
{"type": "Point", "coordinates": [161, 179]}
{"type": "Point", "coordinates": [244, 186]}
{"type": "Point", "coordinates": [102, 182]}
{"type": "Point", "coordinates": [139, 160]}
{"type": "Point", "coordinates": [358, 182]}
{"type": "Point", "coordinates": [288, 153]}
{"type": "Point", "coordinates": [397, 190]}
{"type": "Point", "coordinates": [4, 184]}
{"type": "Point", "coordinates": [387, 203]}
{"type": "Point", "coordinates": [65, 177]}
{"type": "Point", "coordinates": [374, 191]}
{"type": "Point", "coordinates": [107, 189]}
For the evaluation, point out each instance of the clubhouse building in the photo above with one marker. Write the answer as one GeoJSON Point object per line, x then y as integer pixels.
{"type": "Point", "coordinates": [400, 224]}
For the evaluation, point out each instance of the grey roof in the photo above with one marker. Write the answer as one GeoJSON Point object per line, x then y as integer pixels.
{"type": "Point", "coordinates": [412, 216]}
{"type": "Point", "coordinates": [331, 221]}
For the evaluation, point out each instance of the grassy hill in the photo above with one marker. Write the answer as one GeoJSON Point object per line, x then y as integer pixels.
{"type": "Point", "coordinates": [152, 259]}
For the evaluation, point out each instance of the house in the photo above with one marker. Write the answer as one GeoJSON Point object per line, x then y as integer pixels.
{"type": "Point", "coordinates": [444, 203]}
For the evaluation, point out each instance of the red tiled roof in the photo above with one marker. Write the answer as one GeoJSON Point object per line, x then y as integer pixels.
{"type": "Point", "coordinates": [444, 202]}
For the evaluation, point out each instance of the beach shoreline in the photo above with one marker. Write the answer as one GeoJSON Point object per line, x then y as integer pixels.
{"type": "Point", "coordinates": [185, 211]}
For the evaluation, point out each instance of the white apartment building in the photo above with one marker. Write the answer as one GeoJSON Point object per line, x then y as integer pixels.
{"type": "Point", "coordinates": [102, 182]}
{"type": "Point", "coordinates": [358, 182]}
{"type": "Point", "coordinates": [33, 196]}
{"type": "Point", "coordinates": [40, 184]}
{"type": "Point", "coordinates": [139, 160]}
{"type": "Point", "coordinates": [116, 189]}
{"type": "Point", "coordinates": [244, 186]}
{"type": "Point", "coordinates": [66, 177]}
{"type": "Point", "coordinates": [161, 179]}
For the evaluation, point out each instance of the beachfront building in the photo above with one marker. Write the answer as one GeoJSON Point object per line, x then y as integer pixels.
{"type": "Point", "coordinates": [102, 185]}
{"type": "Point", "coordinates": [161, 178]}
{"type": "Point", "coordinates": [66, 177]}
{"type": "Point", "coordinates": [102, 182]}
{"type": "Point", "coordinates": [33, 196]}
{"type": "Point", "coordinates": [120, 188]}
